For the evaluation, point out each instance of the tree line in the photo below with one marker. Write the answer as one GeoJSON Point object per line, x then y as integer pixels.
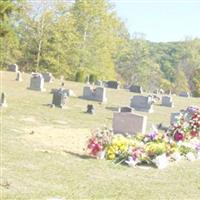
{"type": "Point", "coordinates": [87, 37]}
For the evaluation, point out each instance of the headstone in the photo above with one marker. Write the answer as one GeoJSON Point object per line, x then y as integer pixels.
{"type": "Point", "coordinates": [62, 78]}
{"type": "Point", "coordinates": [99, 83]}
{"type": "Point", "coordinates": [53, 90]}
{"type": "Point", "coordinates": [162, 127]}
{"type": "Point", "coordinates": [59, 98]}
{"type": "Point", "coordinates": [168, 92]}
{"type": "Point", "coordinates": [126, 109]}
{"type": "Point", "coordinates": [19, 76]}
{"type": "Point", "coordinates": [90, 109]}
{"type": "Point", "coordinates": [37, 82]}
{"type": "Point", "coordinates": [13, 68]}
{"type": "Point", "coordinates": [161, 91]}
{"type": "Point", "coordinates": [136, 89]}
{"type": "Point", "coordinates": [167, 101]}
{"type": "Point", "coordinates": [95, 94]}
{"type": "Point", "coordinates": [184, 94]}
{"type": "Point", "coordinates": [142, 103]}
{"type": "Point", "coordinates": [3, 102]}
{"type": "Point", "coordinates": [104, 83]}
{"type": "Point", "coordinates": [87, 80]}
{"type": "Point", "coordinates": [156, 98]}
{"type": "Point", "coordinates": [48, 77]}
{"type": "Point", "coordinates": [174, 116]}
{"type": "Point", "coordinates": [127, 122]}
{"type": "Point", "coordinates": [70, 93]}
{"type": "Point", "coordinates": [113, 84]}
{"type": "Point", "coordinates": [156, 91]}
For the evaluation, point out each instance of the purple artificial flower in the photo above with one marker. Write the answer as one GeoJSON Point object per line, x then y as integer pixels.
{"type": "Point", "coordinates": [152, 135]}
{"type": "Point", "coordinates": [198, 147]}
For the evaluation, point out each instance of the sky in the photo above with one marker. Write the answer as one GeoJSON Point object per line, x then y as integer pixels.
{"type": "Point", "coordinates": [161, 20]}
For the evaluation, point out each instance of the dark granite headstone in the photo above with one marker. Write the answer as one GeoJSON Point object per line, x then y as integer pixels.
{"type": "Point", "coordinates": [136, 89]}
{"type": "Point", "coordinates": [90, 109]}
{"type": "Point", "coordinates": [59, 98]}
{"type": "Point", "coordinates": [113, 84]}
{"type": "Point", "coordinates": [3, 100]}
{"type": "Point", "coordinates": [126, 109]}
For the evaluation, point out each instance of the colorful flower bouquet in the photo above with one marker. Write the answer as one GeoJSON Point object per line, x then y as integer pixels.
{"type": "Point", "coordinates": [154, 148]}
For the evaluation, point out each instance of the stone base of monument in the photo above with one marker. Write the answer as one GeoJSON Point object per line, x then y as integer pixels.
{"type": "Point", "coordinates": [3, 105]}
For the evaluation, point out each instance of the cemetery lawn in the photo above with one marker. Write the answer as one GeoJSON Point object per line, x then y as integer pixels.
{"type": "Point", "coordinates": [42, 150]}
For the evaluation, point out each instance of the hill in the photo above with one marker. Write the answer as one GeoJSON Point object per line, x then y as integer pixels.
{"type": "Point", "coordinates": [42, 152]}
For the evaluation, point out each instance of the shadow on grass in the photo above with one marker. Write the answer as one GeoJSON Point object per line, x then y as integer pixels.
{"type": "Point", "coordinates": [47, 104]}
{"type": "Point", "coordinates": [112, 108]}
{"type": "Point", "coordinates": [82, 156]}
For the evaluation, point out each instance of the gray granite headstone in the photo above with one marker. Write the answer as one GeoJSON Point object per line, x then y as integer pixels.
{"type": "Point", "coordinates": [99, 83]}
{"type": "Point", "coordinates": [157, 91]}
{"type": "Point", "coordinates": [136, 89]}
{"type": "Point", "coordinates": [127, 122]}
{"type": "Point", "coordinates": [167, 101]}
{"type": "Point", "coordinates": [37, 82]}
{"type": "Point", "coordinates": [95, 94]}
{"type": "Point", "coordinates": [174, 116]}
{"type": "Point", "coordinates": [142, 103]}
{"type": "Point", "coordinates": [13, 68]}
{"type": "Point", "coordinates": [48, 77]}
{"type": "Point", "coordinates": [184, 94]}
{"type": "Point", "coordinates": [168, 92]}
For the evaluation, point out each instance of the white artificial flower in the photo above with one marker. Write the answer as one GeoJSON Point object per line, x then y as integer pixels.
{"type": "Point", "coordinates": [131, 162]}
{"type": "Point", "coordinates": [161, 161]}
{"type": "Point", "coordinates": [198, 155]}
{"type": "Point", "coordinates": [176, 156]}
{"type": "Point", "coordinates": [101, 154]}
{"type": "Point", "coordinates": [190, 156]}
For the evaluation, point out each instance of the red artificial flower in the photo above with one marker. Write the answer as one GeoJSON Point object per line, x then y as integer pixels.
{"type": "Point", "coordinates": [178, 136]}
{"type": "Point", "coordinates": [194, 133]}
{"type": "Point", "coordinates": [94, 146]}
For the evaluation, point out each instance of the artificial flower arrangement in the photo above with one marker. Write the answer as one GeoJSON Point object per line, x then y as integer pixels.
{"type": "Point", "coordinates": [181, 140]}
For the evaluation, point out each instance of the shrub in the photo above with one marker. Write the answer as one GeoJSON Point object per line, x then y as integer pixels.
{"type": "Point", "coordinates": [92, 78]}
{"type": "Point", "coordinates": [79, 76]}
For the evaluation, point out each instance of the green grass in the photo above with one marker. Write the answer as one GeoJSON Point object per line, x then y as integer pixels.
{"type": "Point", "coordinates": [50, 163]}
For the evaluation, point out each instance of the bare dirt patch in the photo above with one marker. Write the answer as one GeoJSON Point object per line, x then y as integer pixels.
{"type": "Point", "coordinates": [28, 119]}
{"type": "Point", "coordinates": [50, 138]}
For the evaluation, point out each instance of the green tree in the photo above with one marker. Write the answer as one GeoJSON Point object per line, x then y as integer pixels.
{"type": "Point", "coordinates": [181, 83]}
{"type": "Point", "coordinates": [96, 26]}
{"type": "Point", "coordinates": [196, 83]}
{"type": "Point", "coordinates": [9, 44]}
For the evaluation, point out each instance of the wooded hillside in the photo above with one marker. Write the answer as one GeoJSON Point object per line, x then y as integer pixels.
{"type": "Point", "coordinates": [88, 37]}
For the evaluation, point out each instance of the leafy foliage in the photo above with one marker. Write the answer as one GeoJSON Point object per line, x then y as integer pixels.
{"type": "Point", "coordinates": [65, 38]}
